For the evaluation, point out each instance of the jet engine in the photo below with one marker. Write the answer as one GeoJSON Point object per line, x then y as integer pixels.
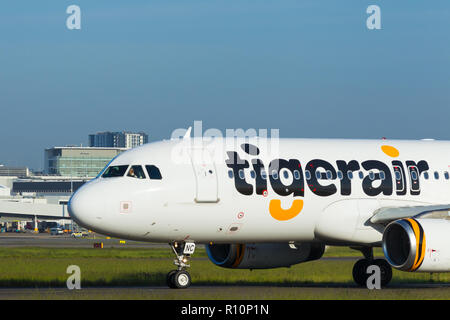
{"type": "Point", "coordinates": [421, 245]}
{"type": "Point", "coordinates": [263, 255]}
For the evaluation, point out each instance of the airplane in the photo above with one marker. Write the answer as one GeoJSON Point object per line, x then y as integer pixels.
{"type": "Point", "coordinates": [258, 203]}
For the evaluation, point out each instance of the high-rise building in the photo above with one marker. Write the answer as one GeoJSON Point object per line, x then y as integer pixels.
{"type": "Point", "coordinates": [102, 139]}
{"type": "Point", "coordinates": [123, 139]}
{"type": "Point", "coordinates": [134, 139]}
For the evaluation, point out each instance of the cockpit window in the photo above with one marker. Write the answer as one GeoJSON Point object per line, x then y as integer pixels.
{"type": "Point", "coordinates": [115, 171]}
{"type": "Point", "coordinates": [136, 172]}
{"type": "Point", "coordinates": [153, 172]}
{"type": "Point", "coordinates": [106, 167]}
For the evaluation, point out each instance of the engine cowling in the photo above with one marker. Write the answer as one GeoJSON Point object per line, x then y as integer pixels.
{"type": "Point", "coordinates": [263, 255]}
{"type": "Point", "coordinates": [421, 245]}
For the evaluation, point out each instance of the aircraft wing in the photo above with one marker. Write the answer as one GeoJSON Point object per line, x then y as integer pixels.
{"type": "Point", "coordinates": [388, 214]}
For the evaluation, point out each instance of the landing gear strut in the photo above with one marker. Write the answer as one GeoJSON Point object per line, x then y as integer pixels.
{"type": "Point", "coordinates": [180, 278]}
{"type": "Point", "coordinates": [360, 274]}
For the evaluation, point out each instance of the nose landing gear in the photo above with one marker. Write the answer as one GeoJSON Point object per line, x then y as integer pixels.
{"type": "Point", "coordinates": [180, 278]}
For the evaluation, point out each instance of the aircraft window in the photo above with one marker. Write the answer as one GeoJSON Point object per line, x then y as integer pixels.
{"type": "Point", "coordinates": [115, 171]}
{"type": "Point", "coordinates": [413, 175]}
{"type": "Point", "coordinates": [350, 175]}
{"type": "Point", "coordinates": [275, 175]}
{"type": "Point", "coordinates": [361, 175]}
{"type": "Point", "coordinates": [446, 175]}
{"type": "Point", "coordinates": [371, 175]}
{"type": "Point", "coordinates": [340, 175]}
{"type": "Point", "coordinates": [153, 172]}
{"type": "Point", "coordinates": [230, 174]}
{"type": "Point", "coordinates": [425, 175]}
{"type": "Point", "coordinates": [436, 175]}
{"type": "Point", "coordinates": [307, 174]}
{"type": "Point", "coordinates": [382, 175]}
{"type": "Point", "coordinates": [286, 174]}
{"type": "Point", "coordinates": [398, 176]}
{"type": "Point", "coordinates": [296, 175]}
{"type": "Point", "coordinates": [105, 167]}
{"type": "Point", "coordinates": [329, 175]}
{"type": "Point", "coordinates": [136, 172]}
{"type": "Point", "coordinates": [263, 174]}
{"type": "Point", "coordinates": [318, 175]}
{"type": "Point", "coordinates": [241, 174]}
{"type": "Point", "coordinates": [252, 174]}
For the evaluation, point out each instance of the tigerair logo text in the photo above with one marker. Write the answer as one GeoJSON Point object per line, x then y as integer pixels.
{"type": "Point", "coordinates": [375, 176]}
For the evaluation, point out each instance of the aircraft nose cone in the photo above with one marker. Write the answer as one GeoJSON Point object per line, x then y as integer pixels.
{"type": "Point", "coordinates": [86, 207]}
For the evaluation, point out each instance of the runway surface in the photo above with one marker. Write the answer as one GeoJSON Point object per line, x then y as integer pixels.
{"type": "Point", "coordinates": [322, 291]}
{"type": "Point", "coordinates": [46, 240]}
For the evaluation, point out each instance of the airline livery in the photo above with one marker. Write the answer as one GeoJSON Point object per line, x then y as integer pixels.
{"type": "Point", "coordinates": [259, 204]}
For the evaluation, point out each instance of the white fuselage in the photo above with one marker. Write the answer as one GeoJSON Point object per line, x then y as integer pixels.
{"type": "Point", "coordinates": [198, 199]}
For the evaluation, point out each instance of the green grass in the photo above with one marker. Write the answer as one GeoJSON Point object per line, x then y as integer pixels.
{"type": "Point", "coordinates": [137, 253]}
{"type": "Point", "coordinates": [127, 267]}
{"type": "Point", "coordinates": [117, 253]}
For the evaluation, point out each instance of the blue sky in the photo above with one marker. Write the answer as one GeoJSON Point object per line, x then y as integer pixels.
{"type": "Point", "coordinates": [308, 68]}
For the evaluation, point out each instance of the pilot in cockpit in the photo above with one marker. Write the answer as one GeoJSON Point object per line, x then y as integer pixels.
{"type": "Point", "coordinates": [131, 173]}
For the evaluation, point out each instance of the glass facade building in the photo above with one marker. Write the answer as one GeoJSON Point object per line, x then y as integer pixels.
{"type": "Point", "coordinates": [78, 161]}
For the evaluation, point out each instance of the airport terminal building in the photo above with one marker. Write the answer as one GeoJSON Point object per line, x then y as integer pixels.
{"type": "Point", "coordinates": [78, 161]}
{"type": "Point", "coordinates": [43, 196]}
{"type": "Point", "coordinates": [6, 171]}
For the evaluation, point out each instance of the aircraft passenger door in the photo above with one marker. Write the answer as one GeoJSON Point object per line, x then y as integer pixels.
{"type": "Point", "coordinates": [399, 179]}
{"type": "Point", "coordinates": [205, 175]}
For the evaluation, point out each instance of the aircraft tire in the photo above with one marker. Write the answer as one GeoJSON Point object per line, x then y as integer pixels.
{"type": "Point", "coordinates": [170, 279]}
{"type": "Point", "coordinates": [181, 279]}
{"type": "Point", "coordinates": [386, 271]}
{"type": "Point", "coordinates": [360, 275]}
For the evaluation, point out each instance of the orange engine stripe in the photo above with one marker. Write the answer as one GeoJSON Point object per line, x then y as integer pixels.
{"type": "Point", "coordinates": [239, 255]}
{"type": "Point", "coordinates": [420, 244]}
{"type": "Point", "coordinates": [417, 236]}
